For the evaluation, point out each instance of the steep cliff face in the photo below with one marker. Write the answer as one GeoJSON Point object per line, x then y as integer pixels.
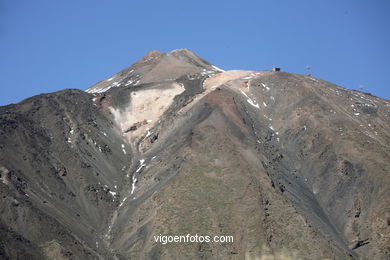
{"type": "Point", "coordinates": [291, 166]}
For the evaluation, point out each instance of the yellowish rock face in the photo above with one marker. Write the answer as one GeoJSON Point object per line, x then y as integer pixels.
{"type": "Point", "coordinates": [144, 109]}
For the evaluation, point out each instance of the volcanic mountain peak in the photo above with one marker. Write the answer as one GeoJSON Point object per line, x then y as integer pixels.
{"type": "Point", "coordinates": [182, 51]}
{"type": "Point", "coordinates": [149, 56]}
{"type": "Point", "coordinates": [174, 146]}
{"type": "Point", "coordinates": [156, 66]}
{"type": "Point", "coordinates": [153, 54]}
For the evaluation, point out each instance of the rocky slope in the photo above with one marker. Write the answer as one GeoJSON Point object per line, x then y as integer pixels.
{"type": "Point", "coordinates": [292, 166]}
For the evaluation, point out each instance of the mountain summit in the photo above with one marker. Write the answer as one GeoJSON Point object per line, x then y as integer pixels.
{"type": "Point", "coordinates": [290, 166]}
{"type": "Point", "coordinates": [156, 66]}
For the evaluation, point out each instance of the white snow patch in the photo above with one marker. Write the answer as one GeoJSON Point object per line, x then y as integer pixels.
{"type": "Point", "coordinates": [270, 127]}
{"type": "Point", "coordinates": [123, 201]}
{"type": "Point", "coordinates": [304, 127]}
{"type": "Point", "coordinates": [123, 149]}
{"type": "Point", "coordinates": [265, 86]}
{"type": "Point", "coordinates": [142, 164]}
{"type": "Point", "coordinates": [147, 134]}
{"type": "Point", "coordinates": [98, 90]}
{"type": "Point", "coordinates": [207, 72]}
{"type": "Point", "coordinates": [129, 82]}
{"type": "Point", "coordinates": [250, 101]}
{"type": "Point", "coordinates": [104, 133]}
{"type": "Point", "coordinates": [249, 77]}
{"type": "Point", "coordinates": [217, 69]}
{"type": "Point", "coordinates": [133, 184]}
{"type": "Point", "coordinates": [110, 79]}
{"type": "Point", "coordinates": [244, 93]}
{"type": "Point", "coordinates": [149, 121]}
{"type": "Point", "coordinates": [154, 157]}
{"type": "Point", "coordinates": [356, 114]}
{"type": "Point", "coordinates": [113, 193]}
{"type": "Point", "coordinates": [264, 104]}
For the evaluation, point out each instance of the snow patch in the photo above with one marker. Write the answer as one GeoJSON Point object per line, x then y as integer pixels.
{"type": "Point", "coordinates": [244, 93]}
{"type": "Point", "coordinates": [123, 201]}
{"type": "Point", "coordinates": [217, 69]}
{"type": "Point", "coordinates": [142, 164]}
{"type": "Point", "coordinates": [134, 180]}
{"type": "Point", "coordinates": [250, 101]}
{"type": "Point", "coordinates": [265, 86]}
{"type": "Point", "coordinates": [129, 82]}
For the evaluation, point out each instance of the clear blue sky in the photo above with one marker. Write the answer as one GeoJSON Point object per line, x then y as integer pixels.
{"type": "Point", "coordinates": [48, 45]}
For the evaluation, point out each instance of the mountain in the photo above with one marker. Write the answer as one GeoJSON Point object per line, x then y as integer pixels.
{"type": "Point", "coordinates": [291, 166]}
